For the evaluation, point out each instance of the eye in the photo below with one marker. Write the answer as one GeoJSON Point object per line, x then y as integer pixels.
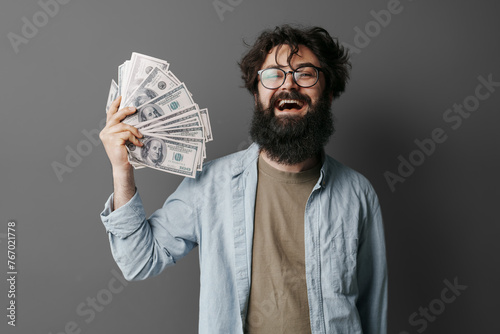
{"type": "Point", "coordinates": [304, 75]}
{"type": "Point", "coordinates": [306, 72]}
{"type": "Point", "coordinates": [271, 74]}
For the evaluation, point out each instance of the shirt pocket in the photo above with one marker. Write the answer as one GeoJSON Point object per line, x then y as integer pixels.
{"type": "Point", "coordinates": [343, 264]}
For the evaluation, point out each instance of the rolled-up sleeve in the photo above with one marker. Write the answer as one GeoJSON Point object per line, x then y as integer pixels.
{"type": "Point", "coordinates": [142, 247]}
{"type": "Point", "coordinates": [132, 213]}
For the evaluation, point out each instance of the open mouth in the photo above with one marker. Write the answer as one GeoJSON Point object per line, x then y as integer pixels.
{"type": "Point", "coordinates": [289, 105]}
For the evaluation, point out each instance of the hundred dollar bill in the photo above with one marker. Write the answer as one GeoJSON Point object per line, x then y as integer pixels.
{"type": "Point", "coordinates": [190, 140]}
{"type": "Point", "coordinates": [173, 77]}
{"type": "Point", "coordinates": [131, 147]}
{"type": "Point", "coordinates": [193, 132]}
{"type": "Point", "coordinates": [174, 99]}
{"type": "Point", "coordinates": [139, 68]}
{"type": "Point", "coordinates": [189, 120]}
{"type": "Point", "coordinates": [122, 73]}
{"type": "Point", "coordinates": [200, 141]}
{"type": "Point", "coordinates": [206, 124]}
{"type": "Point", "coordinates": [156, 83]}
{"type": "Point", "coordinates": [190, 114]}
{"type": "Point", "coordinates": [184, 125]}
{"type": "Point", "coordinates": [113, 94]}
{"type": "Point", "coordinates": [181, 116]}
{"type": "Point", "coordinates": [166, 155]}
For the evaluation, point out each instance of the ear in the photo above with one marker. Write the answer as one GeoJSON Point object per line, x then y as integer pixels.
{"type": "Point", "coordinates": [255, 97]}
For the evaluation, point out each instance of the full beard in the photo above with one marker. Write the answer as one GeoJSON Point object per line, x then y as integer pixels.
{"type": "Point", "coordinates": [291, 139]}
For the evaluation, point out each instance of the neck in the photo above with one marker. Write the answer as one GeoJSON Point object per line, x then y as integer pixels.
{"type": "Point", "coordinates": [295, 168]}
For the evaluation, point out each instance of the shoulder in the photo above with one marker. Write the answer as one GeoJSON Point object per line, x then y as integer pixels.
{"type": "Point", "coordinates": [223, 164]}
{"type": "Point", "coordinates": [219, 172]}
{"type": "Point", "coordinates": [342, 180]}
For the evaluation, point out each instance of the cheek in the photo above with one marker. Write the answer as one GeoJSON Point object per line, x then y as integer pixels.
{"type": "Point", "coordinates": [262, 100]}
{"type": "Point", "coordinates": [264, 95]}
{"type": "Point", "coordinates": [315, 94]}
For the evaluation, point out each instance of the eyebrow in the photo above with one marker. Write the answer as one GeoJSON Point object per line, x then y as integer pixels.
{"type": "Point", "coordinates": [298, 66]}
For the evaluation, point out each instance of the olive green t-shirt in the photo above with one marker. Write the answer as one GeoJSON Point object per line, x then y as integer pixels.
{"type": "Point", "coordinates": [278, 294]}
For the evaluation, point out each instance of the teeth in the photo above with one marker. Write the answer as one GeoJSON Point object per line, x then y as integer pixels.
{"type": "Point", "coordinates": [299, 103]}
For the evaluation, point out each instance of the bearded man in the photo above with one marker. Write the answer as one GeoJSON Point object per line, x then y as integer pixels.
{"type": "Point", "coordinates": [290, 240]}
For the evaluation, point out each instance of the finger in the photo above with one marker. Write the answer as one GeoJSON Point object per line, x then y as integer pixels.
{"type": "Point", "coordinates": [133, 139]}
{"type": "Point", "coordinates": [120, 115]}
{"type": "Point", "coordinates": [113, 107]}
{"type": "Point", "coordinates": [127, 136]}
{"type": "Point", "coordinates": [121, 127]}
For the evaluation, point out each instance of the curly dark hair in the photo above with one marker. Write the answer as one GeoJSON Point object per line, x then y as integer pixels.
{"type": "Point", "coordinates": [333, 58]}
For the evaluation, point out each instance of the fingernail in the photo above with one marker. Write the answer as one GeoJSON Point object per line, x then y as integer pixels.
{"type": "Point", "coordinates": [131, 108]}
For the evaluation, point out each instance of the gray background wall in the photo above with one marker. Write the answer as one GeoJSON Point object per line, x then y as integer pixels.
{"type": "Point", "coordinates": [441, 223]}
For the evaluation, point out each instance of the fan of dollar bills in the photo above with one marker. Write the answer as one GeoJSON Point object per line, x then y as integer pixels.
{"type": "Point", "coordinates": [174, 128]}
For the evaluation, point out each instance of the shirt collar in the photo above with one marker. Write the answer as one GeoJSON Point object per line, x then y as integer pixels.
{"type": "Point", "coordinates": [251, 155]}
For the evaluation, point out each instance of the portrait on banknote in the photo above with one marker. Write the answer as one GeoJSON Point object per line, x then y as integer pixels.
{"type": "Point", "coordinates": [153, 152]}
{"type": "Point", "coordinates": [142, 96]}
{"type": "Point", "coordinates": [150, 111]}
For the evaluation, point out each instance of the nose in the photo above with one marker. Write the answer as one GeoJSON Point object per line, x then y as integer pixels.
{"type": "Point", "coordinates": [289, 82]}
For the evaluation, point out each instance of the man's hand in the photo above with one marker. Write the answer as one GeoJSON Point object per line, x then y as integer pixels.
{"type": "Point", "coordinates": [114, 136]}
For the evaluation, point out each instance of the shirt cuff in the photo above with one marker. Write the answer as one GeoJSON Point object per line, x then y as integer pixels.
{"type": "Point", "coordinates": [125, 220]}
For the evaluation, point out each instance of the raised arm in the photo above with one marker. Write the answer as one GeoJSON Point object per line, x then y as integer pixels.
{"type": "Point", "coordinates": [141, 247]}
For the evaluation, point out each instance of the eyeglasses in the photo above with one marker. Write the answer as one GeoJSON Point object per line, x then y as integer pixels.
{"type": "Point", "coordinates": [306, 76]}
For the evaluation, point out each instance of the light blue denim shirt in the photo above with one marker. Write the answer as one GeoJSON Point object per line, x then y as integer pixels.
{"type": "Point", "coordinates": [344, 244]}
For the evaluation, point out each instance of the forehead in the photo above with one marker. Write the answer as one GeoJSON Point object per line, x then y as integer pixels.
{"type": "Point", "coordinates": [278, 57]}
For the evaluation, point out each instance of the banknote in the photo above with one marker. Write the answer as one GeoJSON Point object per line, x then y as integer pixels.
{"type": "Point", "coordinates": [194, 132]}
{"type": "Point", "coordinates": [156, 83]}
{"type": "Point", "coordinates": [122, 72]}
{"type": "Point", "coordinates": [174, 128]}
{"type": "Point", "coordinates": [113, 94]}
{"type": "Point", "coordinates": [120, 78]}
{"type": "Point", "coordinates": [171, 122]}
{"type": "Point", "coordinates": [187, 115]}
{"type": "Point", "coordinates": [190, 140]}
{"type": "Point", "coordinates": [174, 99]}
{"type": "Point", "coordinates": [184, 125]}
{"type": "Point", "coordinates": [206, 123]}
{"type": "Point", "coordinates": [138, 69]}
{"type": "Point", "coordinates": [169, 155]}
